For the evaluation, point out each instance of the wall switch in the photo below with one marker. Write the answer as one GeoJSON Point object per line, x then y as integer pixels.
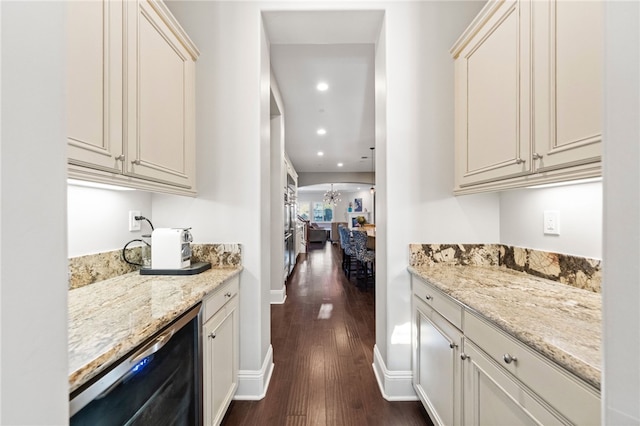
{"type": "Point", "coordinates": [551, 222]}
{"type": "Point", "coordinates": [134, 225]}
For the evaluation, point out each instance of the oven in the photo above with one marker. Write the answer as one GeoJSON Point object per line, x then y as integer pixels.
{"type": "Point", "coordinates": [158, 383]}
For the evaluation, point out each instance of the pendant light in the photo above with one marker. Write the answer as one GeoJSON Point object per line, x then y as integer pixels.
{"type": "Point", "coordinates": [373, 189]}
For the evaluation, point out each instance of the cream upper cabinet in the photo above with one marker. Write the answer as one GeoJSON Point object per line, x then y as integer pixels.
{"type": "Point", "coordinates": [160, 133]}
{"type": "Point", "coordinates": [567, 64]}
{"type": "Point", "coordinates": [131, 84]}
{"type": "Point", "coordinates": [94, 84]}
{"type": "Point", "coordinates": [528, 94]}
{"type": "Point", "coordinates": [492, 95]}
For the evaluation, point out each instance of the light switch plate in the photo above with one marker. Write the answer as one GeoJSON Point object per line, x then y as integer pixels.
{"type": "Point", "coordinates": [551, 222]}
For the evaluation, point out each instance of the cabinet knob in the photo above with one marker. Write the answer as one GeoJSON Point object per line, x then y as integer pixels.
{"type": "Point", "coordinates": [212, 335]}
{"type": "Point", "coordinates": [519, 161]}
{"type": "Point", "coordinates": [120, 157]}
{"type": "Point", "coordinates": [136, 162]}
{"type": "Point", "coordinates": [428, 297]}
{"type": "Point", "coordinates": [227, 294]}
{"type": "Point", "coordinates": [463, 356]}
{"type": "Point", "coordinates": [537, 156]}
{"type": "Point", "coordinates": [453, 345]}
{"type": "Point", "coordinates": [509, 359]}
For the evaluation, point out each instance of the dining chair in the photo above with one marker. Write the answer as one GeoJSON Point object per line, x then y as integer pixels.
{"type": "Point", "coordinates": [365, 258]}
{"type": "Point", "coordinates": [348, 253]}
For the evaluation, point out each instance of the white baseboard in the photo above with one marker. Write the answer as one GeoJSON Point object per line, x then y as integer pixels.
{"type": "Point", "coordinates": [253, 384]}
{"type": "Point", "coordinates": [279, 296]}
{"type": "Point", "coordinates": [394, 385]}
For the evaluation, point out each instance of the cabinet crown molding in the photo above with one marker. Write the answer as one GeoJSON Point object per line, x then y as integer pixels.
{"type": "Point", "coordinates": [478, 22]}
{"type": "Point", "coordinates": [165, 14]}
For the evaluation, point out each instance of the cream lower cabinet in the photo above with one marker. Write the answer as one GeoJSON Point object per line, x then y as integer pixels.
{"type": "Point", "coordinates": [220, 337]}
{"type": "Point", "coordinates": [131, 103]}
{"type": "Point", "coordinates": [528, 94]}
{"type": "Point", "coordinates": [437, 346]}
{"type": "Point", "coordinates": [466, 371]}
{"type": "Point", "coordinates": [506, 382]}
{"type": "Point", "coordinates": [492, 397]}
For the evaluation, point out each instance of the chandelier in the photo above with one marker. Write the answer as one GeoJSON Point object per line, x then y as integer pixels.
{"type": "Point", "coordinates": [332, 197]}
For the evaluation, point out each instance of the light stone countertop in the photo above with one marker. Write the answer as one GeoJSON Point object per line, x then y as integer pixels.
{"type": "Point", "coordinates": [561, 322]}
{"type": "Point", "coordinates": [108, 319]}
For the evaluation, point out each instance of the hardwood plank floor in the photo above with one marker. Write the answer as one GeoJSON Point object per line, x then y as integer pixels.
{"type": "Point", "coordinates": [323, 337]}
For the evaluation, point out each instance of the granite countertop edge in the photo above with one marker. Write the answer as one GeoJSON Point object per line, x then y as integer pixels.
{"type": "Point", "coordinates": [585, 367]}
{"type": "Point", "coordinates": [109, 319]}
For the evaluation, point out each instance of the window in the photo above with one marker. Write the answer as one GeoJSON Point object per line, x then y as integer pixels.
{"type": "Point", "coordinates": [322, 212]}
{"type": "Point", "coordinates": [303, 210]}
{"type": "Point", "coordinates": [315, 211]}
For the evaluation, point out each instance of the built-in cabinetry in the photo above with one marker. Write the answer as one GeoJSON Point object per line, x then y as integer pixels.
{"type": "Point", "coordinates": [437, 344]}
{"type": "Point", "coordinates": [467, 371]}
{"type": "Point", "coordinates": [528, 94]}
{"type": "Point", "coordinates": [131, 96]}
{"type": "Point", "coordinates": [220, 337]}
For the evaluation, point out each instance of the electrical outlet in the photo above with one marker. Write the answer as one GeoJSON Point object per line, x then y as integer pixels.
{"type": "Point", "coordinates": [551, 222]}
{"type": "Point", "coordinates": [134, 225]}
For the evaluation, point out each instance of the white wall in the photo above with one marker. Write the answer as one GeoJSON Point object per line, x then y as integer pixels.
{"type": "Point", "coordinates": [621, 272]}
{"type": "Point", "coordinates": [415, 191]}
{"type": "Point", "coordinates": [33, 262]}
{"type": "Point", "coordinates": [97, 219]}
{"type": "Point", "coordinates": [232, 134]}
{"type": "Point", "coordinates": [580, 213]}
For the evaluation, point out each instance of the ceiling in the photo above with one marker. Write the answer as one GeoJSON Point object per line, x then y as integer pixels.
{"type": "Point", "coordinates": [341, 187]}
{"type": "Point", "coordinates": [308, 47]}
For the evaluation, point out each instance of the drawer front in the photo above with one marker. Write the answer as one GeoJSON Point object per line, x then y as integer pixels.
{"type": "Point", "coordinates": [221, 295]}
{"type": "Point", "coordinates": [439, 301]}
{"type": "Point", "coordinates": [576, 400]}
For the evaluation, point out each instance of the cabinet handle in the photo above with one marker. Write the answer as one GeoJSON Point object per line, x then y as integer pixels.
{"type": "Point", "coordinates": [464, 356]}
{"type": "Point", "coordinates": [519, 161]}
{"type": "Point", "coordinates": [212, 335]}
{"type": "Point", "coordinates": [120, 157]}
{"type": "Point", "coordinates": [136, 162]}
{"type": "Point", "coordinates": [509, 359]}
{"type": "Point", "coordinates": [537, 156]}
{"type": "Point", "coordinates": [427, 297]}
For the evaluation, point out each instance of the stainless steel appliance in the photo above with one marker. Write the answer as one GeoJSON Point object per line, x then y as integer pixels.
{"type": "Point", "coordinates": [289, 227]}
{"type": "Point", "coordinates": [171, 248]}
{"type": "Point", "coordinates": [157, 383]}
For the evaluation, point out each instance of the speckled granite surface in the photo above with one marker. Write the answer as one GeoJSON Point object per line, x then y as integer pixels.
{"type": "Point", "coordinates": [559, 321]}
{"type": "Point", "coordinates": [111, 317]}
{"type": "Point", "coordinates": [579, 272]}
{"type": "Point", "coordinates": [89, 269]}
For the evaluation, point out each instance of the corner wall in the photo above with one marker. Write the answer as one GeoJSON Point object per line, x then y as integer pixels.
{"type": "Point", "coordinates": [34, 384]}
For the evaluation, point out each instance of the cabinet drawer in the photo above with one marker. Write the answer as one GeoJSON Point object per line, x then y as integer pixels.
{"type": "Point", "coordinates": [570, 396]}
{"type": "Point", "coordinates": [221, 295]}
{"type": "Point", "coordinates": [439, 301]}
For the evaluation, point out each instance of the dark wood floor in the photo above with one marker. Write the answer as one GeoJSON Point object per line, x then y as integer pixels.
{"type": "Point", "coordinates": [323, 339]}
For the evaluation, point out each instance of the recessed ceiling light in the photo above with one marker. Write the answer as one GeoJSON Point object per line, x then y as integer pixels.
{"type": "Point", "coordinates": [321, 132]}
{"type": "Point", "coordinates": [358, 188]}
{"type": "Point", "coordinates": [322, 86]}
{"type": "Point", "coordinates": [320, 153]}
{"type": "Point", "coordinates": [340, 164]}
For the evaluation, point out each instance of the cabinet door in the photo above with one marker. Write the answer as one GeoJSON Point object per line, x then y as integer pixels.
{"type": "Point", "coordinates": [436, 364]}
{"type": "Point", "coordinates": [220, 361]}
{"type": "Point", "coordinates": [161, 97]}
{"type": "Point", "coordinates": [568, 62]}
{"type": "Point", "coordinates": [492, 397]}
{"type": "Point", "coordinates": [94, 84]}
{"type": "Point", "coordinates": [492, 91]}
